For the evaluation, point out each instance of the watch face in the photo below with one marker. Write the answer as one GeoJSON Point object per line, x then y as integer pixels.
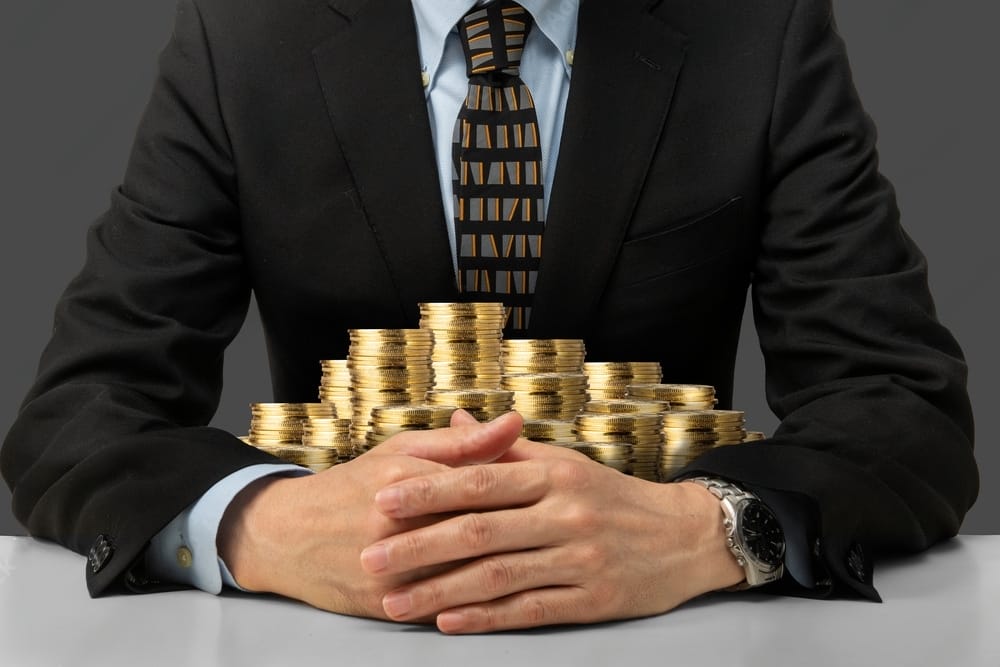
{"type": "Point", "coordinates": [762, 534]}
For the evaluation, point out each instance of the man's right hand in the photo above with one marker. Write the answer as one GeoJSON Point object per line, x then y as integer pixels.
{"type": "Point", "coordinates": [302, 537]}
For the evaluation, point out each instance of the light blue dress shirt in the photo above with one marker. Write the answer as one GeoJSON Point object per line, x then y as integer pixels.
{"type": "Point", "coordinates": [184, 551]}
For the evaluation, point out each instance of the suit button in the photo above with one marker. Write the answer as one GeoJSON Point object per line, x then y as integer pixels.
{"type": "Point", "coordinates": [856, 563]}
{"type": "Point", "coordinates": [184, 557]}
{"type": "Point", "coordinates": [100, 553]}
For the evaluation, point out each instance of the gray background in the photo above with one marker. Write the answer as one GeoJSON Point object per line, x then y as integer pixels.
{"type": "Point", "coordinates": [75, 77]}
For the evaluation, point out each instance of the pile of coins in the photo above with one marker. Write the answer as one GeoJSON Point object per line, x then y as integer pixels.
{"type": "Point", "coordinates": [644, 432]}
{"type": "Point", "coordinates": [548, 430]}
{"type": "Point", "coordinates": [483, 404]}
{"type": "Point", "coordinates": [610, 379]}
{"type": "Point", "coordinates": [680, 396]}
{"type": "Point", "coordinates": [335, 385]}
{"type": "Point", "coordinates": [689, 434]}
{"type": "Point", "coordinates": [388, 420]}
{"type": "Point", "coordinates": [466, 353]}
{"type": "Point", "coordinates": [388, 367]}
{"type": "Point", "coordinates": [547, 395]}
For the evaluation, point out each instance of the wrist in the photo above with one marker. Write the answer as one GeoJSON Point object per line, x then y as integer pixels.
{"type": "Point", "coordinates": [246, 537]}
{"type": "Point", "coordinates": [715, 568]}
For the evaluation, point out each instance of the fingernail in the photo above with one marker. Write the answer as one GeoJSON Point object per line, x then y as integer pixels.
{"type": "Point", "coordinates": [451, 621]}
{"type": "Point", "coordinates": [397, 604]}
{"type": "Point", "coordinates": [389, 500]}
{"type": "Point", "coordinates": [375, 558]}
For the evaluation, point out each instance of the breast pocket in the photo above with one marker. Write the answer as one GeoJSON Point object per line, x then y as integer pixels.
{"type": "Point", "coordinates": [694, 241]}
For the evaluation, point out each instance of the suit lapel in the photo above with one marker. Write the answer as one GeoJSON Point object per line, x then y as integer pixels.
{"type": "Point", "coordinates": [370, 74]}
{"type": "Point", "coordinates": [626, 65]}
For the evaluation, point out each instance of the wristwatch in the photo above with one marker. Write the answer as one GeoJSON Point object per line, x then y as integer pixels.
{"type": "Point", "coordinates": [753, 533]}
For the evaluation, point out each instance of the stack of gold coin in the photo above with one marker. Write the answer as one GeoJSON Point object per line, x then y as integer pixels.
{"type": "Point", "coordinates": [555, 355]}
{"type": "Point", "coordinates": [689, 434]}
{"type": "Point", "coordinates": [617, 455]}
{"type": "Point", "coordinates": [388, 420]}
{"type": "Point", "coordinates": [273, 424]}
{"type": "Point", "coordinates": [330, 434]}
{"type": "Point", "coordinates": [618, 406]}
{"type": "Point", "coordinates": [609, 379]}
{"type": "Point", "coordinates": [483, 404]}
{"type": "Point", "coordinates": [467, 339]}
{"type": "Point", "coordinates": [388, 367]}
{"type": "Point", "coordinates": [643, 431]}
{"type": "Point", "coordinates": [547, 395]}
{"type": "Point", "coordinates": [680, 396]}
{"type": "Point", "coordinates": [314, 458]}
{"type": "Point", "coordinates": [548, 430]}
{"type": "Point", "coordinates": [335, 385]}
{"type": "Point", "coordinates": [753, 436]}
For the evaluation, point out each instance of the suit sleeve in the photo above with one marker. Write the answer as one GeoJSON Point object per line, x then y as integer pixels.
{"type": "Point", "coordinates": [876, 426]}
{"type": "Point", "coordinates": [111, 442]}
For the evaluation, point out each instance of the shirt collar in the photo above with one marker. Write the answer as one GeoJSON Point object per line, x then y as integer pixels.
{"type": "Point", "coordinates": [556, 19]}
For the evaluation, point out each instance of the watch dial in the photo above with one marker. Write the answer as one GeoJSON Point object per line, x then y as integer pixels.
{"type": "Point", "coordinates": [762, 534]}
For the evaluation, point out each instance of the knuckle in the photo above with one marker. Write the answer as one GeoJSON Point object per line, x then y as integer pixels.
{"type": "Point", "coordinates": [496, 576]}
{"type": "Point", "coordinates": [476, 531]}
{"type": "Point", "coordinates": [533, 610]}
{"type": "Point", "coordinates": [568, 473]}
{"type": "Point", "coordinates": [480, 481]}
{"type": "Point", "coordinates": [581, 518]}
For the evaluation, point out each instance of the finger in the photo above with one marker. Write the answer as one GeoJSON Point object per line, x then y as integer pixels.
{"type": "Point", "coordinates": [460, 537]}
{"type": "Point", "coordinates": [529, 609]}
{"type": "Point", "coordinates": [479, 487]}
{"type": "Point", "coordinates": [464, 444]}
{"type": "Point", "coordinates": [483, 580]}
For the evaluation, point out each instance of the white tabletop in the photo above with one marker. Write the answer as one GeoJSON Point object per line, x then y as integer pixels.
{"type": "Point", "coordinates": [941, 608]}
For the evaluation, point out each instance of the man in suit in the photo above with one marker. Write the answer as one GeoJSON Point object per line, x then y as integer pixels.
{"type": "Point", "coordinates": [292, 150]}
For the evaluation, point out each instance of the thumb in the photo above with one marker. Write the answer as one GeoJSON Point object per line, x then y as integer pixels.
{"type": "Point", "coordinates": [466, 442]}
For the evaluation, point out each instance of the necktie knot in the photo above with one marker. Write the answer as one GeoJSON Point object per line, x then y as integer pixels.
{"type": "Point", "coordinates": [493, 37]}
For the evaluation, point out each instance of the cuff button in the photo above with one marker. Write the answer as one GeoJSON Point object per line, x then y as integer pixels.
{"type": "Point", "coordinates": [185, 558]}
{"type": "Point", "coordinates": [100, 553]}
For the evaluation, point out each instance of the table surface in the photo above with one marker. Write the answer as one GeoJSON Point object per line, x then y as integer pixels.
{"type": "Point", "coordinates": [941, 608]}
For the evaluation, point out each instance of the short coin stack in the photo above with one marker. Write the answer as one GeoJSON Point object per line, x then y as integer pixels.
{"type": "Point", "coordinates": [548, 430]}
{"type": "Point", "coordinates": [754, 436]}
{"type": "Point", "coordinates": [388, 367]}
{"type": "Point", "coordinates": [547, 395]}
{"type": "Point", "coordinates": [388, 420]}
{"type": "Point", "coordinates": [689, 434]}
{"type": "Point", "coordinates": [554, 355]}
{"type": "Point", "coordinates": [680, 396]}
{"type": "Point", "coordinates": [483, 404]}
{"type": "Point", "coordinates": [329, 433]}
{"type": "Point", "coordinates": [644, 432]}
{"type": "Point", "coordinates": [610, 379]}
{"type": "Point", "coordinates": [335, 385]}
{"type": "Point", "coordinates": [466, 353]}
{"type": "Point", "coordinates": [273, 424]}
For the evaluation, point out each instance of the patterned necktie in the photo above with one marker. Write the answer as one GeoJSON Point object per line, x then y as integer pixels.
{"type": "Point", "coordinates": [499, 211]}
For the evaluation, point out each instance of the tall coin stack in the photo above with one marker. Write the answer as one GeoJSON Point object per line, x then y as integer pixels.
{"type": "Point", "coordinates": [610, 379]}
{"type": "Point", "coordinates": [689, 434]}
{"type": "Point", "coordinates": [335, 385]}
{"type": "Point", "coordinates": [617, 455]}
{"type": "Point", "coordinates": [625, 406]}
{"type": "Point", "coordinates": [388, 367]}
{"type": "Point", "coordinates": [329, 433]}
{"type": "Point", "coordinates": [466, 353]}
{"type": "Point", "coordinates": [546, 377]}
{"type": "Point", "coordinates": [483, 404]}
{"type": "Point", "coordinates": [644, 432]}
{"type": "Point", "coordinates": [680, 396]}
{"type": "Point", "coordinates": [388, 420]}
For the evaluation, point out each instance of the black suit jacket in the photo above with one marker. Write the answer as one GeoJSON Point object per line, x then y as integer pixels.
{"type": "Point", "coordinates": [708, 147]}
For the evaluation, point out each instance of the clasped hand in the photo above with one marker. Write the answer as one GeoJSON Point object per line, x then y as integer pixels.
{"type": "Point", "coordinates": [478, 530]}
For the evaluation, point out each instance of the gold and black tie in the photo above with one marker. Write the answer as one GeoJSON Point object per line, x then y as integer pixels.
{"type": "Point", "coordinates": [499, 209]}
